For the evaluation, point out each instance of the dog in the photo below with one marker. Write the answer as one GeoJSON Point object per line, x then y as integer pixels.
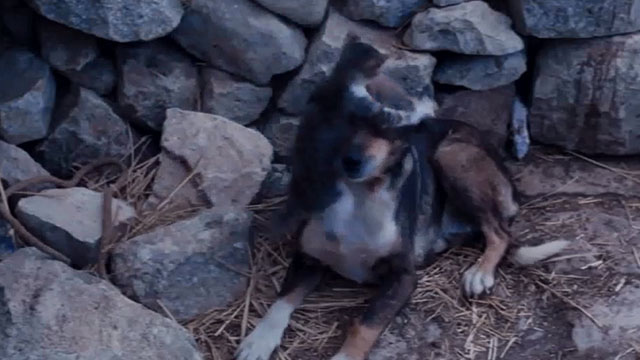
{"type": "Point", "coordinates": [356, 192]}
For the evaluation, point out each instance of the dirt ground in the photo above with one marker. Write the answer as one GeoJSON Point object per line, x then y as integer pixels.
{"type": "Point", "coordinates": [582, 304]}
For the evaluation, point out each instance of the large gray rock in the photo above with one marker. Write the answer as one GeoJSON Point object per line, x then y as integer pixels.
{"type": "Point", "coordinates": [16, 165]}
{"type": "Point", "coordinates": [66, 49]}
{"type": "Point", "coordinates": [471, 28]}
{"type": "Point", "coordinates": [586, 95]}
{"type": "Point", "coordinates": [70, 221]}
{"type": "Point", "coordinates": [575, 18]}
{"type": "Point", "coordinates": [304, 12]}
{"type": "Point", "coordinates": [411, 70]}
{"type": "Point", "coordinates": [189, 267]}
{"type": "Point", "coordinates": [27, 95]}
{"type": "Point", "coordinates": [153, 77]}
{"type": "Point", "coordinates": [229, 161]}
{"type": "Point", "coordinates": [391, 13]}
{"type": "Point", "coordinates": [281, 130]}
{"type": "Point", "coordinates": [481, 72]}
{"type": "Point", "coordinates": [231, 97]}
{"type": "Point", "coordinates": [50, 311]}
{"type": "Point", "coordinates": [620, 320]}
{"type": "Point", "coordinates": [87, 129]}
{"type": "Point", "coordinates": [242, 38]}
{"type": "Point", "coordinates": [488, 110]}
{"type": "Point", "coordinates": [117, 20]}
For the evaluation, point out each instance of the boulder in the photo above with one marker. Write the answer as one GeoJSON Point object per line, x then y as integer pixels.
{"type": "Point", "coordinates": [16, 165]}
{"type": "Point", "coordinates": [70, 221]}
{"type": "Point", "coordinates": [189, 267]}
{"type": "Point", "coordinates": [116, 20]}
{"type": "Point", "coordinates": [87, 129]}
{"type": "Point", "coordinates": [50, 311]}
{"type": "Point", "coordinates": [232, 97]}
{"type": "Point", "coordinates": [304, 12]}
{"type": "Point", "coordinates": [27, 95]}
{"type": "Point", "coordinates": [276, 184]}
{"type": "Point", "coordinates": [620, 320]}
{"type": "Point", "coordinates": [412, 70]}
{"type": "Point", "coordinates": [153, 77]}
{"type": "Point", "coordinates": [575, 18]}
{"type": "Point", "coordinates": [99, 75]}
{"type": "Point", "coordinates": [242, 38]}
{"type": "Point", "coordinates": [586, 97]}
{"type": "Point", "coordinates": [229, 161]}
{"type": "Point", "coordinates": [281, 130]}
{"type": "Point", "coordinates": [488, 110]}
{"type": "Point", "coordinates": [471, 28]}
{"type": "Point", "coordinates": [480, 72]}
{"type": "Point", "coordinates": [66, 49]}
{"type": "Point", "coordinates": [386, 13]}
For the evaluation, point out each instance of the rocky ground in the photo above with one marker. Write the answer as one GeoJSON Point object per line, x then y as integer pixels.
{"type": "Point", "coordinates": [199, 102]}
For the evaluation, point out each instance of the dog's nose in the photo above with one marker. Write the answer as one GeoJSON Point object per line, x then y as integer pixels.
{"type": "Point", "coordinates": [352, 162]}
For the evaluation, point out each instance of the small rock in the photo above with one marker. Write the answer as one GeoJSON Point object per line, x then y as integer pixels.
{"type": "Point", "coordinates": [189, 267]}
{"type": "Point", "coordinates": [99, 75]}
{"type": "Point", "coordinates": [27, 95]}
{"type": "Point", "coordinates": [117, 20]}
{"type": "Point", "coordinates": [620, 320]}
{"type": "Point", "coordinates": [411, 70]}
{"type": "Point", "coordinates": [230, 160]}
{"type": "Point", "coordinates": [443, 3]}
{"type": "Point", "coordinates": [281, 130]}
{"type": "Point", "coordinates": [481, 72]}
{"type": "Point", "coordinates": [7, 244]}
{"type": "Point", "coordinates": [488, 110]}
{"type": "Point", "coordinates": [276, 184]}
{"type": "Point", "coordinates": [155, 76]}
{"type": "Point", "coordinates": [242, 38]}
{"type": "Point", "coordinates": [586, 95]}
{"type": "Point", "coordinates": [304, 12]}
{"type": "Point", "coordinates": [70, 221]}
{"type": "Point", "coordinates": [231, 97]}
{"type": "Point", "coordinates": [386, 13]}
{"type": "Point", "coordinates": [170, 179]}
{"type": "Point", "coordinates": [575, 18]}
{"type": "Point", "coordinates": [66, 49]}
{"type": "Point", "coordinates": [87, 129]}
{"type": "Point", "coordinates": [16, 165]}
{"type": "Point", "coordinates": [471, 28]}
{"type": "Point", "coordinates": [53, 312]}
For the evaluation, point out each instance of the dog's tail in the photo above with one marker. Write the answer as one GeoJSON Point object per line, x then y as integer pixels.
{"type": "Point", "coordinates": [528, 255]}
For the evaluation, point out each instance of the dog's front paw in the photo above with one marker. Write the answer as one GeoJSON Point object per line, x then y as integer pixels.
{"type": "Point", "coordinates": [259, 344]}
{"type": "Point", "coordinates": [477, 281]}
{"type": "Point", "coordinates": [342, 356]}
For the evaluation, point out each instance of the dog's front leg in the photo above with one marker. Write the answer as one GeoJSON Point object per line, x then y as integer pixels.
{"type": "Point", "coordinates": [395, 292]}
{"type": "Point", "coordinates": [303, 275]}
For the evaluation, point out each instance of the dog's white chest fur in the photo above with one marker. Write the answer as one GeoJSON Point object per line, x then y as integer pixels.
{"type": "Point", "coordinates": [355, 232]}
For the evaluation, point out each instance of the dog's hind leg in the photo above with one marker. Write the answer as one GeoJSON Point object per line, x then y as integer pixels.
{"type": "Point", "coordinates": [397, 287]}
{"type": "Point", "coordinates": [302, 277]}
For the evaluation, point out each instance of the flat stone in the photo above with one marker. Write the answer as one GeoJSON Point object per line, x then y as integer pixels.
{"type": "Point", "coordinates": [70, 221]}
{"type": "Point", "coordinates": [281, 130]}
{"type": "Point", "coordinates": [153, 77]}
{"type": "Point", "coordinates": [304, 12]}
{"type": "Point", "coordinates": [586, 97]}
{"type": "Point", "coordinates": [481, 72]}
{"type": "Point", "coordinates": [242, 38]}
{"type": "Point", "coordinates": [116, 20]}
{"type": "Point", "coordinates": [471, 28]}
{"type": "Point", "coordinates": [488, 110]}
{"type": "Point", "coordinates": [575, 18]}
{"type": "Point", "coordinates": [232, 97]}
{"type": "Point", "coordinates": [16, 165]}
{"type": "Point", "coordinates": [411, 70]}
{"type": "Point", "coordinates": [619, 316]}
{"type": "Point", "coordinates": [230, 160]}
{"type": "Point", "coordinates": [53, 312]}
{"type": "Point", "coordinates": [87, 129]}
{"type": "Point", "coordinates": [66, 49]}
{"type": "Point", "coordinates": [27, 95]}
{"type": "Point", "coordinates": [386, 13]}
{"type": "Point", "coordinates": [190, 267]}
